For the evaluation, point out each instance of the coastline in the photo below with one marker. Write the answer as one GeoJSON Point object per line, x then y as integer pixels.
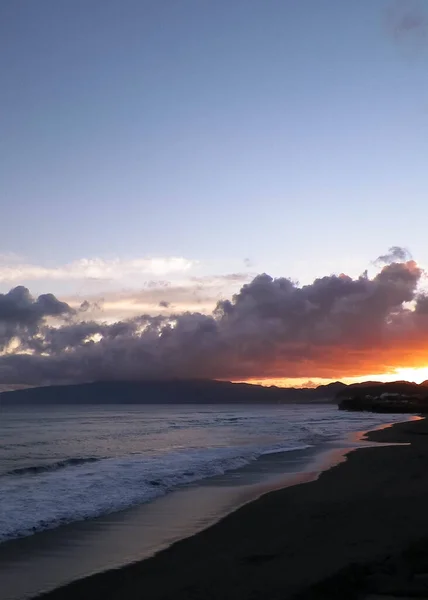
{"type": "Point", "coordinates": [51, 559]}
{"type": "Point", "coordinates": [294, 538]}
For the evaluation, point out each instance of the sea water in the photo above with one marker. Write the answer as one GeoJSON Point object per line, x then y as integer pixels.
{"type": "Point", "coordinates": [66, 464]}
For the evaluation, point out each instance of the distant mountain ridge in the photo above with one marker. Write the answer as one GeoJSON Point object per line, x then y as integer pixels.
{"type": "Point", "coordinates": [167, 392]}
{"type": "Point", "coordinates": [376, 388]}
{"type": "Point", "coordinates": [194, 392]}
{"type": "Point", "coordinates": [394, 397]}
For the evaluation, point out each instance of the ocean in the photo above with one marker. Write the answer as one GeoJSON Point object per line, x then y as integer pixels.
{"type": "Point", "coordinates": [81, 466]}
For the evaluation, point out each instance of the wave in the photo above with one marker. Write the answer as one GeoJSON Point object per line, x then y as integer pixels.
{"type": "Point", "coordinates": [60, 464]}
{"type": "Point", "coordinates": [77, 489]}
{"type": "Point", "coordinates": [282, 449]}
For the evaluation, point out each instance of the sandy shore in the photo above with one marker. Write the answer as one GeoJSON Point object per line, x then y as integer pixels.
{"type": "Point", "coordinates": [336, 537]}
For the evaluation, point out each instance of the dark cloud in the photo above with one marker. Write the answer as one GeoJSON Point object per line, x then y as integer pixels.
{"type": "Point", "coordinates": [394, 254]}
{"type": "Point", "coordinates": [421, 306]}
{"type": "Point", "coordinates": [90, 306]}
{"type": "Point", "coordinates": [408, 21]}
{"type": "Point", "coordinates": [336, 326]}
{"type": "Point", "coordinates": [21, 315]}
{"type": "Point", "coordinates": [164, 304]}
{"type": "Point", "coordinates": [18, 306]}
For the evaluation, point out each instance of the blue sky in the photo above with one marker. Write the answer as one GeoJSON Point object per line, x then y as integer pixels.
{"type": "Point", "coordinates": [291, 133]}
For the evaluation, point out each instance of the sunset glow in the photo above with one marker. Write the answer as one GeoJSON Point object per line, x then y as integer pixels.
{"type": "Point", "coordinates": [417, 375]}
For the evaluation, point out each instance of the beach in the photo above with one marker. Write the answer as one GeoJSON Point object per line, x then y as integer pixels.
{"type": "Point", "coordinates": [73, 505]}
{"type": "Point", "coordinates": [326, 538]}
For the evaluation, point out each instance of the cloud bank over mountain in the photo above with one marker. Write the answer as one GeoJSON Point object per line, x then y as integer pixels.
{"type": "Point", "coordinates": [335, 327]}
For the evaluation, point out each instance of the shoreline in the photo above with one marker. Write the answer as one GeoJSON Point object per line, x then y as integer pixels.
{"type": "Point", "coordinates": [50, 560]}
{"type": "Point", "coordinates": [273, 546]}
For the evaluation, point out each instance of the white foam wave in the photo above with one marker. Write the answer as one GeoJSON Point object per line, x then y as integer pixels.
{"type": "Point", "coordinates": [45, 500]}
{"type": "Point", "coordinates": [280, 449]}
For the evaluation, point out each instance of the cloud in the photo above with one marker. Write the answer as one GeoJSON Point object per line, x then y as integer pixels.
{"type": "Point", "coordinates": [394, 254]}
{"type": "Point", "coordinates": [408, 21]}
{"type": "Point", "coordinates": [220, 280]}
{"type": "Point", "coordinates": [337, 326]}
{"type": "Point", "coordinates": [21, 315]}
{"type": "Point", "coordinates": [91, 268]}
{"type": "Point", "coordinates": [193, 294]}
{"type": "Point", "coordinates": [86, 306]}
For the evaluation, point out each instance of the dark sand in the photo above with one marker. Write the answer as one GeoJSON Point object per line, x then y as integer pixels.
{"type": "Point", "coordinates": [341, 536]}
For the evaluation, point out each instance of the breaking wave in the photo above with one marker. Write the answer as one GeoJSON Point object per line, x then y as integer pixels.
{"type": "Point", "coordinates": [82, 488]}
{"type": "Point", "coordinates": [60, 464]}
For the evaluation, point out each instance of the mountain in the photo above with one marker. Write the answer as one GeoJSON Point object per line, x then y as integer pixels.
{"type": "Point", "coordinates": [376, 388]}
{"type": "Point", "coordinates": [391, 397]}
{"type": "Point", "coordinates": [199, 391]}
{"type": "Point", "coordinates": [167, 392]}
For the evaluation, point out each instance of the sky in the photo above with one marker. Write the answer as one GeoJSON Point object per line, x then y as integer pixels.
{"type": "Point", "coordinates": [159, 156]}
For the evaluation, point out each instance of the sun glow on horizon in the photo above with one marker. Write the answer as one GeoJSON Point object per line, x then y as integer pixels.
{"type": "Point", "coordinates": [413, 374]}
{"type": "Point", "coordinates": [416, 374]}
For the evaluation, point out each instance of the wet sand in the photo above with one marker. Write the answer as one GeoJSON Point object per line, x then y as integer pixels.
{"type": "Point", "coordinates": [322, 539]}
